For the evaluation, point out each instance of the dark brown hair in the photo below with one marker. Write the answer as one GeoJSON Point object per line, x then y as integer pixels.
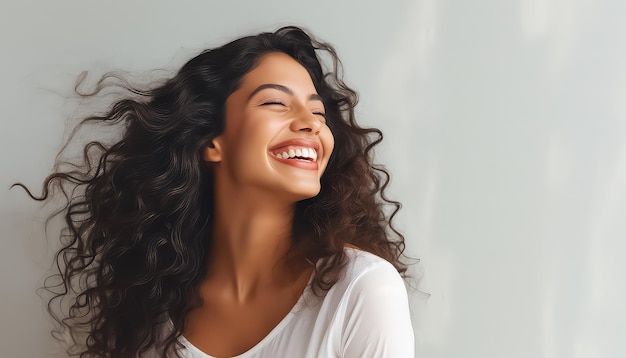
{"type": "Point", "coordinates": [139, 211]}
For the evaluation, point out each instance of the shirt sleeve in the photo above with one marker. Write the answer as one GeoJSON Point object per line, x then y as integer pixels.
{"type": "Point", "coordinates": [377, 319]}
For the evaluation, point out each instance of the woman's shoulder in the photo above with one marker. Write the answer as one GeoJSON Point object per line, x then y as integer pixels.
{"type": "Point", "coordinates": [372, 315]}
{"type": "Point", "coordinates": [363, 263]}
{"type": "Point", "coordinates": [365, 272]}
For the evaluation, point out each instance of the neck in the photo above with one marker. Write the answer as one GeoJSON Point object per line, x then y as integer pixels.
{"type": "Point", "coordinates": [251, 237]}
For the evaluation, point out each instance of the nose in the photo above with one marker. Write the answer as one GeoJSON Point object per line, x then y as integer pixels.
{"type": "Point", "coordinates": [305, 121]}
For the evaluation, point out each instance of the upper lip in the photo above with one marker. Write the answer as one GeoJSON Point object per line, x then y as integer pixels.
{"type": "Point", "coordinates": [300, 142]}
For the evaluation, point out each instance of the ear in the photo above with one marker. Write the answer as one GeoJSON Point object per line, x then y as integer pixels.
{"type": "Point", "coordinates": [213, 152]}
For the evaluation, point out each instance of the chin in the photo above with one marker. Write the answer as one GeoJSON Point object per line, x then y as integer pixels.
{"type": "Point", "coordinates": [306, 194]}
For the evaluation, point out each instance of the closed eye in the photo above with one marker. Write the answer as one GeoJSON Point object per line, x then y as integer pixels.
{"type": "Point", "coordinates": [268, 103]}
{"type": "Point", "coordinates": [322, 114]}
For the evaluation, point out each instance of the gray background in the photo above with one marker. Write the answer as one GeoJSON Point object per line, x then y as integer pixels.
{"type": "Point", "coordinates": [505, 127]}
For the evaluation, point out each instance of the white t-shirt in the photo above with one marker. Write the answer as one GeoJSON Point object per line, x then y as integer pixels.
{"type": "Point", "coordinates": [365, 314]}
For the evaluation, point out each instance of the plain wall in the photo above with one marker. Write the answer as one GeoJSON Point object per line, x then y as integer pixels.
{"type": "Point", "coordinates": [505, 132]}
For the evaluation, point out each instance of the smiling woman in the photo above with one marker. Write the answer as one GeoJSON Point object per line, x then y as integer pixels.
{"type": "Point", "coordinates": [239, 215]}
{"type": "Point", "coordinates": [275, 110]}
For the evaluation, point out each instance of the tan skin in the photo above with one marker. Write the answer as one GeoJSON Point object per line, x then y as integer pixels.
{"type": "Point", "coordinates": [249, 287]}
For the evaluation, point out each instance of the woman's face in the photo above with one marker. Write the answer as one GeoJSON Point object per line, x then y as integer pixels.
{"type": "Point", "coordinates": [275, 139]}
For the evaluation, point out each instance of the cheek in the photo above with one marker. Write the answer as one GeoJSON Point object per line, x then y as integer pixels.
{"type": "Point", "coordinates": [248, 150]}
{"type": "Point", "coordinates": [329, 141]}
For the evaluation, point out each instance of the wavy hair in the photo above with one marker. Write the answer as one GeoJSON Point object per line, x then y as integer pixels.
{"type": "Point", "coordinates": [138, 215]}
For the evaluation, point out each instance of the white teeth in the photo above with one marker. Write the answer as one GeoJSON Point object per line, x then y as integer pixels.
{"type": "Point", "coordinates": [300, 152]}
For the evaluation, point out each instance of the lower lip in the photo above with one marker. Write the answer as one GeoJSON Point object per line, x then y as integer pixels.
{"type": "Point", "coordinates": [302, 164]}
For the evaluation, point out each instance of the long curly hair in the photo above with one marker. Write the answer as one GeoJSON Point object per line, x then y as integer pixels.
{"type": "Point", "coordinates": [138, 211]}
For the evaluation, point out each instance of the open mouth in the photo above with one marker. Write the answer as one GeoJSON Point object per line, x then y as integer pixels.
{"type": "Point", "coordinates": [304, 154]}
{"type": "Point", "coordinates": [297, 152]}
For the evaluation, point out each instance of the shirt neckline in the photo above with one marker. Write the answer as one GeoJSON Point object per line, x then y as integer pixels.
{"type": "Point", "coordinates": [276, 330]}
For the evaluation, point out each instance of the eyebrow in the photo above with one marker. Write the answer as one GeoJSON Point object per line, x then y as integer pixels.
{"type": "Point", "coordinates": [287, 90]}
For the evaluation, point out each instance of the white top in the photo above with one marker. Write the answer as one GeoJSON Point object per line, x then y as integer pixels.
{"type": "Point", "coordinates": [365, 314]}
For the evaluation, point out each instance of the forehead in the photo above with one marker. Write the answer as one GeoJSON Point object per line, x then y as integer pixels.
{"type": "Point", "coordinates": [279, 68]}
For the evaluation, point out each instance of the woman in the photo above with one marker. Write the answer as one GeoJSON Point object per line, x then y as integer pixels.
{"type": "Point", "coordinates": [239, 215]}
